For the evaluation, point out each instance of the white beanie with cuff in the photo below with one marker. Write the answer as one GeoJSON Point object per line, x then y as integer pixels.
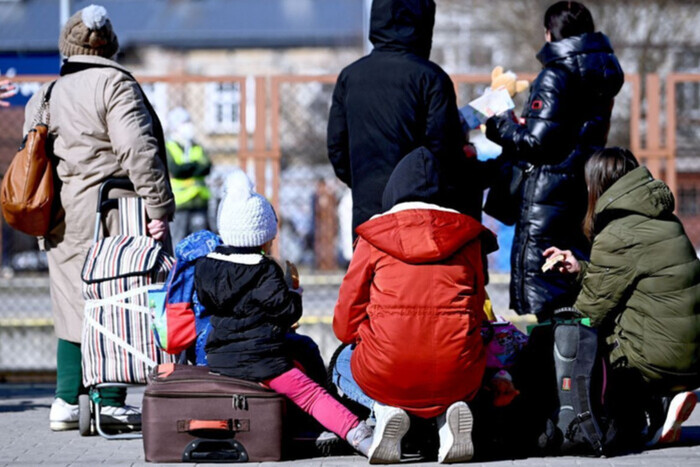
{"type": "Point", "coordinates": [246, 219]}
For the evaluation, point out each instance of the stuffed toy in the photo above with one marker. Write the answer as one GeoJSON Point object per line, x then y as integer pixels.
{"type": "Point", "coordinates": [507, 80]}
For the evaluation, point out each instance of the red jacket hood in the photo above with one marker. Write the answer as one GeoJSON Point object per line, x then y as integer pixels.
{"type": "Point", "coordinates": [420, 233]}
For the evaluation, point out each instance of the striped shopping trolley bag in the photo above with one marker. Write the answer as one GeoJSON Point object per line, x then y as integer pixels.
{"type": "Point", "coordinates": [118, 345]}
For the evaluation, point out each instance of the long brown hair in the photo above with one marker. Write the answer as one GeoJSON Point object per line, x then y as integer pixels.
{"type": "Point", "coordinates": [603, 169]}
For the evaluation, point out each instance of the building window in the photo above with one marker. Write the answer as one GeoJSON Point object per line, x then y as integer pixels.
{"type": "Point", "coordinates": [688, 94]}
{"type": "Point", "coordinates": [688, 201]}
{"type": "Point", "coordinates": [223, 107]}
{"type": "Point", "coordinates": [157, 94]}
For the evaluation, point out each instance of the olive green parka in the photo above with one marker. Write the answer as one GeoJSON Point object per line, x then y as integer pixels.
{"type": "Point", "coordinates": [642, 284]}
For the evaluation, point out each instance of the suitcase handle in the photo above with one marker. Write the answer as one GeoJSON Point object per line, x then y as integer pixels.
{"type": "Point", "coordinates": [215, 450]}
{"type": "Point", "coordinates": [231, 424]}
{"type": "Point", "coordinates": [104, 202]}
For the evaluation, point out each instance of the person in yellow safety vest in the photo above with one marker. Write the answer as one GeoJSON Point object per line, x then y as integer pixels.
{"type": "Point", "coordinates": [188, 165]}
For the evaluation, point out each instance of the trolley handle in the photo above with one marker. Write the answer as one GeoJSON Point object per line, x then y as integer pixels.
{"type": "Point", "coordinates": [104, 201]}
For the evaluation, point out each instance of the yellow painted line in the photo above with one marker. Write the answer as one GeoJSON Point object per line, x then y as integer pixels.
{"type": "Point", "coordinates": [306, 279]}
{"type": "Point", "coordinates": [44, 322]}
{"type": "Point", "coordinates": [25, 322]}
{"type": "Point", "coordinates": [316, 320]}
{"type": "Point", "coordinates": [47, 322]}
{"type": "Point", "coordinates": [498, 278]}
{"type": "Point", "coordinates": [336, 279]}
{"type": "Point", "coordinates": [515, 319]}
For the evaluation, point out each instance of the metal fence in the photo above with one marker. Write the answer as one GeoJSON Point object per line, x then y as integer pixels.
{"type": "Point", "coordinates": [275, 128]}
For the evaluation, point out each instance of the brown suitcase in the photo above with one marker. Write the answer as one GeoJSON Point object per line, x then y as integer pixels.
{"type": "Point", "coordinates": [192, 415]}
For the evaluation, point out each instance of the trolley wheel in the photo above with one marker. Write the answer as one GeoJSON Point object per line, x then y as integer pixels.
{"type": "Point", "coordinates": [85, 415]}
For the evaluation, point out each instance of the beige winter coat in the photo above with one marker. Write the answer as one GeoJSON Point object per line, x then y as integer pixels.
{"type": "Point", "coordinates": [102, 130]}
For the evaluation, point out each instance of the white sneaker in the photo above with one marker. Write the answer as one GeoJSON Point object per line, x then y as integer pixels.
{"type": "Point", "coordinates": [63, 416]}
{"type": "Point", "coordinates": [679, 410]}
{"type": "Point", "coordinates": [360, 438]}
{"type": "Point", "coordinates": [455, 430]}
{"type": "Point", "coordinates": [392, 425]}
{"type": "Point", "coordinates": [120, 416]}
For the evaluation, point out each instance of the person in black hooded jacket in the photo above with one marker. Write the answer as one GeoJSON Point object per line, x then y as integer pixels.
{"type": "Point", "coordinates": [567, 119]}
{"type": "Point", "coordinates": [393, 101]}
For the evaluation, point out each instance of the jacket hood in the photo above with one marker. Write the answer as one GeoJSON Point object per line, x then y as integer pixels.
{"type": "Point", "coordinates": [637, 192]}
{"type": "Point", "coordinates": [197, 245]}
{"type": "Point", "coordinates": [241, 276]}
{"type": "Point", "coordinates": [418, 232]}
{"type": "Point", "coordinates": [403, 25]}
{"type": "Point", "coordinates": [588, 55]}
{"type": "Point", "coordinates": [415, 178]}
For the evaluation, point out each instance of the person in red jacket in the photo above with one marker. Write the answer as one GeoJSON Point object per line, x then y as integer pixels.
{"type": "Point", "coordinates": [411, 308]}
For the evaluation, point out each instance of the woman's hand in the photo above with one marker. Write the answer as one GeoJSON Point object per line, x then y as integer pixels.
{"type": "Point", "coordinates": [158, 228]}
{"type": "Point", "coordinates": [7, 90]}
{"type": "Point", "coordinates": [565, 262]}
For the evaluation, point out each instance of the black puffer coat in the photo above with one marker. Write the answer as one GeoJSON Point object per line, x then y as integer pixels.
{"type": "Point", "coordinates": [392, 101]}
{"type": "Point", "coordinates": [252, 309]}
{"type": "Point", "coordinates": [567, 118]}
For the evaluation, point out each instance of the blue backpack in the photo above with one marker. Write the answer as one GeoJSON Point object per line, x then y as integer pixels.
{"type": "Point", "coordinates": [179, 319]}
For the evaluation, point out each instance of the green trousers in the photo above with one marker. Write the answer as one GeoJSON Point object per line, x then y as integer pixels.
{"type": "Point", "coordinates": [69, 377]}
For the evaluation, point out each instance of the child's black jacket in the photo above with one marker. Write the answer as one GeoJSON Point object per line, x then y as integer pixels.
{"type": "Point", "coordinates": [252, 308]}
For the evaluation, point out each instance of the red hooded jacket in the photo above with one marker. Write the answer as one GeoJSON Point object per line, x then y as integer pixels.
{"type": "Point", "coordinates": [412, 300]}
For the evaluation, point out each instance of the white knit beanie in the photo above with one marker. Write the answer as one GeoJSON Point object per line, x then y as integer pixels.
{"type": "Point", "coordinates": [246, 219]}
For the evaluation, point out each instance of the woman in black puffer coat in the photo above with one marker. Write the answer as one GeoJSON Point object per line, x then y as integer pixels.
{"type": "Point", "coordinates": [567, 119]}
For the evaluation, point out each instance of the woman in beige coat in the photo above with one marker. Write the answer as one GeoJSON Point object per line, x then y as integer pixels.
{"type": "Point", "coordinates": [103, 129]}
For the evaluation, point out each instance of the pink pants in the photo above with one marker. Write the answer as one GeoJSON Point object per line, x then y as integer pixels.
{"type": "Point", "coordinates": [315, 401]}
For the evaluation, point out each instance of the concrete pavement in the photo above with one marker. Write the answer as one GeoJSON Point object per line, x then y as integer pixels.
{"type": "Point", "coordinates": [26, 440]}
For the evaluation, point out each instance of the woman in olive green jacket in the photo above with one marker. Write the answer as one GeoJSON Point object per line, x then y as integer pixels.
{"type": "Point", "coordinates": [641, 287]}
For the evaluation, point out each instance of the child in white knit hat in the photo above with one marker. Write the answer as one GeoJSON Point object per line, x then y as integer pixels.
{"type": "Point", "coordinates": [253, 308]}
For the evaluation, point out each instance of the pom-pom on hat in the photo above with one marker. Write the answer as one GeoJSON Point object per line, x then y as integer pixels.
{"type": "Point", "coordinates": [89, 32]}
{"type": "Point", "coordinates": [246, 219]}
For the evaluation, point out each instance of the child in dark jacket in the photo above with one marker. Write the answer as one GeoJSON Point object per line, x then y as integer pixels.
{"type": "Point", "coordinates": [253, 308]}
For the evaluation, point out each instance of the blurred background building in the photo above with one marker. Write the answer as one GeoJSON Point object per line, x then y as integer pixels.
{"type": "Point", "coordinates": [256, 76]}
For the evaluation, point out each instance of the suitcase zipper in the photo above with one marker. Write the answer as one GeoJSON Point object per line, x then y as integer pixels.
{"type": "Point", "coordinates": [212, 380]}
{"type": "Point", "coordinates": [240, 401]}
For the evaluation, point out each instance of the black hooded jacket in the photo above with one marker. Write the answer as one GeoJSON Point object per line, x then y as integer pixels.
{"type": "Point", "coordinates": [252, 309]}
{"type": "Point", "coordinates": [392, 101]}
{"type": "Point", "coordinates": [567, 118]}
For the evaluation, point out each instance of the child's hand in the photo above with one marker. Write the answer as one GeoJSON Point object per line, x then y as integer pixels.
{"type": "Point", "coordinates": [562, 260]}
{"type": "Point", "coordinates": [291, 275]}
{"type": "Point", "coordinates": [469, 151]}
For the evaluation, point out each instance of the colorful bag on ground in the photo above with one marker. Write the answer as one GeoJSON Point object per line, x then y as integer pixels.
{"type": "Point", "coordinates": [503, 343]}
{"type": "Point", "coordinates": [179, 319]}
